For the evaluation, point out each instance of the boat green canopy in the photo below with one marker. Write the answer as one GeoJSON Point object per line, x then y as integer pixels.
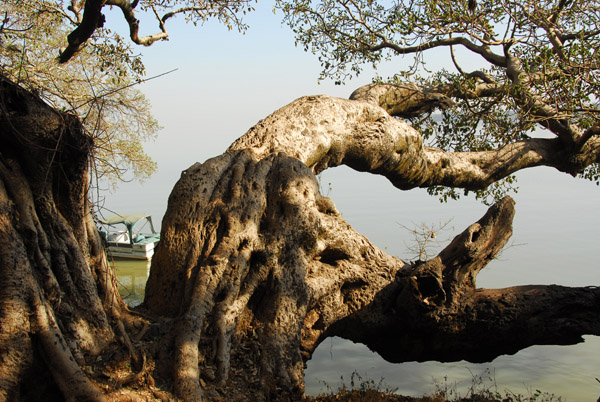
{"type": "Point", "coordinates": [128, 220]}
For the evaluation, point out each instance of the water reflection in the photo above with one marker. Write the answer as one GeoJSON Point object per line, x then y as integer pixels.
{"type": "Point", "coordinates": [566, 371]}
{"type": "Point", "coordinates": [132, 276]}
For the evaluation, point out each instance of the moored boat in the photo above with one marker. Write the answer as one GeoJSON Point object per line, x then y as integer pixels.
{"type": "Point", "coordinates": [130, 236]}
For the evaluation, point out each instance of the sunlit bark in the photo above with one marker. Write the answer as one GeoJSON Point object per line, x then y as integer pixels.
{"type": "Point", "coordinates": [256, 267]}
{"type": "Point", "coordinates": [59, 306]}
{"type": "Point", "coordinates": [325, 132]}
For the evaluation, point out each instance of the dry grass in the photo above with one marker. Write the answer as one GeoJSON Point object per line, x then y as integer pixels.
{"type": "Point", "coordinates": [482, 389]}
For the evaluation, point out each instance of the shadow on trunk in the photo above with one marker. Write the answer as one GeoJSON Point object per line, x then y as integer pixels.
{"type": "Point", "coordinates": [255, 267]}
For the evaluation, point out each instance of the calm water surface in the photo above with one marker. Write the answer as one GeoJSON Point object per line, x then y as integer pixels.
{"type": "Point", "coordinates": [132, 276]}
{"type": "Point", "coordinates": [555, 240]}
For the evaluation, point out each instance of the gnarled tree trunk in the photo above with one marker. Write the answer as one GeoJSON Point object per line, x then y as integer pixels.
{"type": "Point", "coordinates": [61, 320]}
{"type": "Point", "coordinates": [256, 267]}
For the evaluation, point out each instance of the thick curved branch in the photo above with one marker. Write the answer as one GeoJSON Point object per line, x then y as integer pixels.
{"type": "Point", "coordinates": [409, 100]}
{"type": "Point", "coordinates": [134, 24]}
{"type": "Point", "coordinates": [402, 100]}
{"type": "Point", "coordinates": [91, 20]}
{"type": "Point", "coordinates": [434, 311]}
{"type": "Point", "coordinates": [325, 132]}
{"type": "Point", "coordinates": [489, 323]}
{"type": "Point", "coordinates": [226, 11]}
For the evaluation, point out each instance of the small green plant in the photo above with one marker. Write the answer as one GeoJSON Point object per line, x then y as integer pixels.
{"type": "Point", "coordinates": [360, 389]}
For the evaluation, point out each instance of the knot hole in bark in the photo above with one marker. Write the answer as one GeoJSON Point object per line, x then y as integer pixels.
{"type": "Point", "coordinates": [332, 255]}
{"type": "Point", "coordinates": [431, 290]}
{"type": "Point", "coordinates": [423, 288]}
{"type": "Point", "coordinates": [475, 232]}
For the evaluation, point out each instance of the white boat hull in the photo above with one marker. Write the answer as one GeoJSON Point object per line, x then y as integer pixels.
{"type": "Point", "coordinates": [138, 251]}
{"type": "Point", "coordinates": [130, 243]}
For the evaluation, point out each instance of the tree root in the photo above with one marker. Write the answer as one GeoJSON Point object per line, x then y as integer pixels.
{"type": "Point", "coordinates": [52, 265]}
{"type": "Point", "coordinates": [72, 381]}
{"type": "Point", "coordinates": [134, 377]}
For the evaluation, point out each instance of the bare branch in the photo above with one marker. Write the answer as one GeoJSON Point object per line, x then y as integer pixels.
{"type": "Point", "coordinates": [93, 18]}
{"type": "Point", "coordinates": [75, 8]}
{"type": "Point", "coordinates": [134, 24]}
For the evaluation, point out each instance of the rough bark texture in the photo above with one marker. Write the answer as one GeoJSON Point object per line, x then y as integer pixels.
{"type": "Point", "coordinates": [325, 132]}
{"type": "Point", "coordinates": [58, 303]}
{"type": "Point", "coordinates": [250, 248]}
{"type": "Point", "coordinates": [256, 267]}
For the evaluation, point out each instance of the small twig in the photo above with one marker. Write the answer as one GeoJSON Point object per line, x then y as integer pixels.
{"type": "Point", "coordinates": [424, 236]}
{"type": "Point", "coordinates": [4, 22]}
{"type": "Point", "coordinates": [122, 88]}
{"type": "Point", "coordinates": [453, 57]}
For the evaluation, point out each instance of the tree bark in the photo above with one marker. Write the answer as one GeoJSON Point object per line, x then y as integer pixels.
{"type": "Point", "coordinates": [325, 132]}
{"type": "Point", "coordinates": [249, 251]}
{"type": "Point", "coordinates": [59, 305]}
{"type": "Point", "coordinates": [256, 267]}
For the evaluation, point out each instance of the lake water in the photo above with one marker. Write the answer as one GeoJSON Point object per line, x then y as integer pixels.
{"type": "Point", "coordinates": [555, 240]}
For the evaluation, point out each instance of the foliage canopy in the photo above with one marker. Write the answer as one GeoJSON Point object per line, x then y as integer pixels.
{"type": "Point", "coordinates": [38, 38]}
{"type": "Point", "coordinates": [99, 88]}
{"type": "Point", "coordinates": [530, 66]}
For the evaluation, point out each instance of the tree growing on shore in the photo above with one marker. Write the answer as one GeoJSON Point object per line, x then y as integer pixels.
{"type": "Point", "coordinates": [255, 266]}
